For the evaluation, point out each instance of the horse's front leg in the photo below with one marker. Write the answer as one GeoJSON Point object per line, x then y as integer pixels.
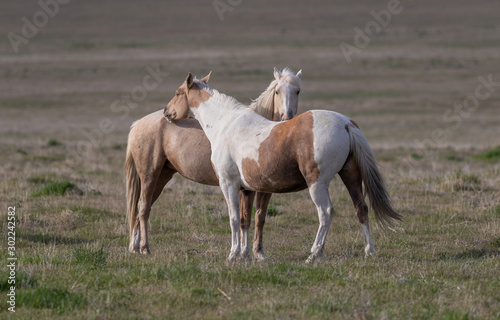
{"type": "Point", "coordinates": [231, 191]}
{"type": "Point", "coordinates": [246, 205]}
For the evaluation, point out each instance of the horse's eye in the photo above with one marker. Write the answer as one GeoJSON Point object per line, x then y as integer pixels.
{"type": "Point", "coordinates": [277, 92]}
{"type": "Point", "coordinates": [298, 92]}
{"type": "Point", "coordinates": [177, 94]}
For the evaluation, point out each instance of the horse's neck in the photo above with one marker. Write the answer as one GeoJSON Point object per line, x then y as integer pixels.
{"type": "Point", "coordinates": [214, 115]}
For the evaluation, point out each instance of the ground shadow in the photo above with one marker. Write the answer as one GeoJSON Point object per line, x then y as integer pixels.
{"type": "Point", "coordinates": [51, 238]}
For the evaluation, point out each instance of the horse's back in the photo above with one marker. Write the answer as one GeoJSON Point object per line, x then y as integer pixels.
{"type": "Point", "coordinates": [295, 153]}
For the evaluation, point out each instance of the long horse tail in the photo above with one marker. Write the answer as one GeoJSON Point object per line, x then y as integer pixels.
{"type": "Point", "coordinates": [374, 184]}
{"type": "Point", "coordinates": [133, 190]}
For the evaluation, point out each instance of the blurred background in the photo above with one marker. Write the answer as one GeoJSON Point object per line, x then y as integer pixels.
{"type": "Point", "coordinates": [398, 87]}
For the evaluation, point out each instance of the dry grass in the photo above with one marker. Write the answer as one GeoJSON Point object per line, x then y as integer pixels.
{"type": "Point", "coordinates": [442, 262]}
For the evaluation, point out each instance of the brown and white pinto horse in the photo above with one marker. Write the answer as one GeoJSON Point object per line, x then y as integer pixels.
{"type": "Point", "coordinates": [252, 153]}
{"type": "Point", "coordinates": [158, 149]}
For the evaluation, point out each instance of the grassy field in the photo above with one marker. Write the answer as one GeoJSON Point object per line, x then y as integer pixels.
{"type": "Point", "coordinates": [441, 161]}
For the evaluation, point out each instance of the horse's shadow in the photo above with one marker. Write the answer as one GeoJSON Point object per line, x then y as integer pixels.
{"type": "Point", "coordinates": [474, 254]}
{"type": "Point", "coordinates": [51, 239]}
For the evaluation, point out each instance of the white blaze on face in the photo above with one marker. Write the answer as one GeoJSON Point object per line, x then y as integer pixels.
{"type": "Point", "coordinates": [287, 100]}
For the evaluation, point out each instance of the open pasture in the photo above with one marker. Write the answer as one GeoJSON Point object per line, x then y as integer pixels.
{"type": "Point", "coordinates": [69, 96]}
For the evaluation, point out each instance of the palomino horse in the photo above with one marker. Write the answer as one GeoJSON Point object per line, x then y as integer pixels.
{"type": "Point", "coordinates": [157, 150]}
{"type": "Point", "coordinates": [252, 153]}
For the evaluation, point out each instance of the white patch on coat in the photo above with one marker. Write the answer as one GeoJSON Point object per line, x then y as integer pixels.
{"type": "Point", "coordinates": [331, 142]}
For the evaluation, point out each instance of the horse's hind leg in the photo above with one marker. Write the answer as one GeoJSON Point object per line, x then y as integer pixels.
{"type": "Point", "coordinates": [147, 191]}
{"type": "Point", "coordinates": [165, 176]}
{"type": "Point", "coordinates": [351, 176]}
{"type": "Point", "coordinates": [321, 198]}
{"type": "Point", "coordinates": [246, 205]}
{"type": "Point", "coordinates": [260, 219]}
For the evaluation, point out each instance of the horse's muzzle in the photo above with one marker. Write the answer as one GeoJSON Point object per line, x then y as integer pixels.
{"type": "Point", "coordinates": [169, 116]}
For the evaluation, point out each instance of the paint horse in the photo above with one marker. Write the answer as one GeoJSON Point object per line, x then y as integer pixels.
{"type": "Point", "coordinates": [158, 149]}
{"type": "Point", "coordinates": [252, 153]}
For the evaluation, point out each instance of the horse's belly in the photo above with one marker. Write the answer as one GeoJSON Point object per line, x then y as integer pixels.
{"type": "Point", "coordinates": [198, 171]}
{"type": "Point", "coordinates": [278, 178]}
{"type": "Point", "coordinates": [189, 154]}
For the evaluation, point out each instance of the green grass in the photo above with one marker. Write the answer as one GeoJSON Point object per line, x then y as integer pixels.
{"type": "Point", "coordinates": [492, 155]}
{"type": "Point", "coordinates": [53, 143]}
{"type": "Point", "coordinates": [60, 300]}
{"type": "Point", "coordinates": [94, 258]}
{"type": "Point", "coordinates": [54, 188]}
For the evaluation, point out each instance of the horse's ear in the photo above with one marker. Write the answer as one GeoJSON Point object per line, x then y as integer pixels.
{"type": "Point", "coordinates": [189, 80]}
{"type": "Point", "coordinates": [299, 74]}
{"type": "Point", "coordinates": [207, 77]}
{"type": "Point", "coordinates": [277, 74]}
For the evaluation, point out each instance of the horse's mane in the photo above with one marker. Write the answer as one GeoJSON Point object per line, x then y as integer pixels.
{"type": "Point", "coordinates": [264, 104]}
{"type": "Point", "coordinates": [227, 101]}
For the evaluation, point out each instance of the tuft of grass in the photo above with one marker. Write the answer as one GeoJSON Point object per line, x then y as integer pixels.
{"type": "Point", "coordinates": [95, 258]}
{"type": "Point", "coordinates": [496, 210]}
{"type": "Point", "coordinates": [55, 188]}
{"type": "Point", "coordinates": [465, 181]}
{"type": "Point", "coordinates": [454, 158]}
{"type": "Point", "coordinates": [490, 155]}
{"type": "Point", "coordinates": [53, 143]}
{"type": "Point", "coordinates": [416, 156]}
{"type": "Point", "coordinates": [272, 211]}
{"type": "Point", "coordinates": [57, 299]}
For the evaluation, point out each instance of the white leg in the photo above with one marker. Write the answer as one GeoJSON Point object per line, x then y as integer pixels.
{"type": "Point", "coordinates": [321, 198]}
{"type": "Point", "coordinates": [135, 242]}
{"type": "Point", "coordinates": [245, 246]}
{"type": "Point", "coordinates": [369, 247]}
{"type": "Point", "coordinates": [231, 194]}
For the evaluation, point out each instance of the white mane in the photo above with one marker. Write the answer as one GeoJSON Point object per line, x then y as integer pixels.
{"type": "Point", "coordinates": [227, 101]}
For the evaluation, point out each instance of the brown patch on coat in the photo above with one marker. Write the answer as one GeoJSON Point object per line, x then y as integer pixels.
{"type": "Point", "coordinates": [197, 96]}
{"type": "Point", "coordinates": [286, 158]}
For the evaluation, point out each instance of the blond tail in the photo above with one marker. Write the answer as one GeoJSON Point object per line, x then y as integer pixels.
{"type": "Point", "coordinates": [373, 181]}
{"type": "Point", "coordinates": [133, 191]}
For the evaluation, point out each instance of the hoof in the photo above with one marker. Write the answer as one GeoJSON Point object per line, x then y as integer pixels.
{"type": "Point", "coordinates": [369, 252]}
{"type": "Point", "coordinates": [246, 256]}
{"type": "Point", "coordinates": [259, 255]}
{"type": "Point", "coordinates": [133, 249]}
{"type": "Point", "coordinates": [233, 256]}
{"type": "Point", "coordinates": [145, 251]}
{"type": "Point", "coordinates": [315, 257]}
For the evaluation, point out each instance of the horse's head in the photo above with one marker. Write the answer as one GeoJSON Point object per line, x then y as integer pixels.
{"type": "Point", "coordinates": [189, 94]}
{"type": "Point", "coordinates": [286, 94]}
